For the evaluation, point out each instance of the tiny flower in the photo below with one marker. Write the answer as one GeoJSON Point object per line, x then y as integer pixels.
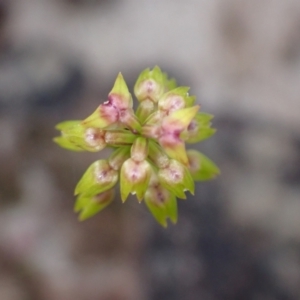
{"type": "Point", "coordinates": [99, 177]}
{"type": "Point", "coordinates": [148, 156]}
{"type": "Point", "coordinates": [134, 178]}
{"type": "Point", "coordinates": [88, 206]}
{"type": "Point", "coordinates": [176, 178]}
{"type": "Point", "coordinates": [161, 202]}
{"type": "Point", "coordinates": [201, 167]}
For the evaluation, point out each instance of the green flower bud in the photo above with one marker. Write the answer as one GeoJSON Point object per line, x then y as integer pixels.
{"type": "Point", "coordinates": [76, 137]}
{"type": "Point", "coordinates": [134, 178]}
{"type": "Point", "coordinates": [145, 109]}
{"type": "Point", "coordinates": [172, 127]}
{"type": "Point", "coordinates": [201, 167]}
{"type": "Point", "coordinates": [157, 155]}
{"type": "Point", "coordinates": [88, 206]}
{"type": "Point", "coordinates": [118, 157]}
{"type": "Point", "coordinates": [119, 137]}
{"type": "Point", "coordinates": [139, 149]}
{"type": "Point", "coordinates": [199, 129]}
{"type": "Point", "coordinates": [150, 85]}
{"type": "Point", "coordinates": [177, 179]}
{"type": "Point", "coordinates": [99, 177]}
{"type": "Point", "coordinates": [161, 202]}
{"type": "Point", "coordinates": [174, 99]}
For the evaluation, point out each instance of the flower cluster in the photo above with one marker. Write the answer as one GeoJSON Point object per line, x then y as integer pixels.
{"type": "Point", "coordinates": [149, 156]}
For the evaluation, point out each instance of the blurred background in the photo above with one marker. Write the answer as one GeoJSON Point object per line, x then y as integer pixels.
{"type": "Point", "coordinates": [238, 237]}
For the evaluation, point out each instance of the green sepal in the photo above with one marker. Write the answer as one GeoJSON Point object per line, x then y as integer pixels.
{"type": "Point", "coordinates": [120, 90]}
{"type": "Point", "coordinates": [98, 178]}
{"type": "Point", "coordinates": [169, 83]}
{"type": "Point", "coordinates": [88, 206]}
{"type": "Point", "coordinates": [201, 167]}
{"type": "Point", "coordinates": [67, 125]}
{"type": "Point", "coordinates": [67, 144]}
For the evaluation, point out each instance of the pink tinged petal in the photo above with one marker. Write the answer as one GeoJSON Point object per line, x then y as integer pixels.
{"type": "Point", "coordinates": [134, 178]}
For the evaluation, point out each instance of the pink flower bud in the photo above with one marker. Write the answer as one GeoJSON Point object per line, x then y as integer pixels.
{"type": "Point", "coordinates": [98, 178]}
{"type": "Point", "coordinates": [135, 177]}
{"type": "Point", "coordinates": [176, 178]}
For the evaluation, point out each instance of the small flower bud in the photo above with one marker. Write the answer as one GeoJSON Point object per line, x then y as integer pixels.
{"type": "Point", "coordinates": [78, 138]}
{"type": "Point", "coordinates": [149, 85]}
{"type": "Point", "coordinates": [176, 178]}
{"type": "Point", "coordinates": [134, 178]}
{"type": "Point", "coordinates": [88, 206]}
{"type": "Point", "coordinates": [158, 155]}
{"type": "Point", "coordinates": [172, 127]}
{"type": "Point", "coordinates": [161, 202]}
{"type": "Point", "coordinates": [130, 120]}
{"type": "Point", "coordinates": [139, 149]}
{"type": "Point", "coordinates": [119, 137]}
{"type": "Point", "coordinates": [145, 109]}
{"type": "Point", "coordinates": [201, 167]}
{"type": "Point", "coordinates": [98, 178]}
{"type": "Point", "coordinates": [118, 157]}
{"type": "Point", "coordinates": [173, 100]}
{"type": "Point", "coordinates": [199, 129]}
